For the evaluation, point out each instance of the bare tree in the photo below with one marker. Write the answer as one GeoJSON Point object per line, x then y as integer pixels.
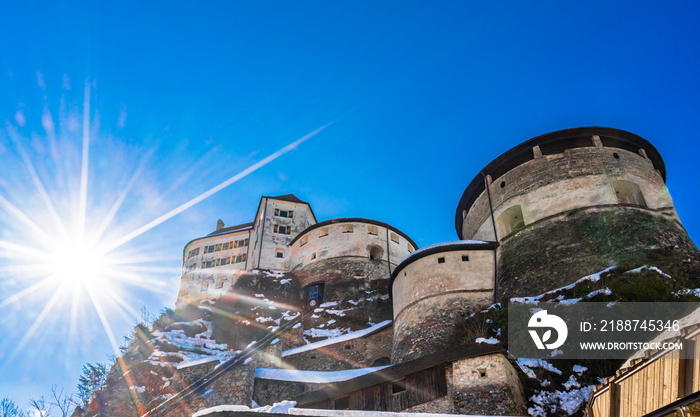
{"type": "Point", "coordinates": [64, 402]}
{"type": "Point", "coordinates": [43, 409]}
{"type": "Point", "coordinates": [8, 408]}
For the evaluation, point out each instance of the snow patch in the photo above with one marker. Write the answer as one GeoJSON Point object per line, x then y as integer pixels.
{"type": "Point", "coordinates": [532, 300]}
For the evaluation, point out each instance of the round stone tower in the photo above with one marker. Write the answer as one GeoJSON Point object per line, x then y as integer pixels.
{"type": "Point", "coordinates": [346, 258]}
{"type": "Point", "coordinates": [570, 203]}
{"type": "Point", "coordinates": [434, 289]}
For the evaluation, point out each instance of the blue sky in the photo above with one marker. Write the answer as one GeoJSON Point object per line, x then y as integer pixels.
{"type": "Point", "coordinates": [421, 97]}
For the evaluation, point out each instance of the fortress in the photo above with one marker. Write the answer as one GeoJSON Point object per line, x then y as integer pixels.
{"type": "Point", "coordinates": [546, 212]}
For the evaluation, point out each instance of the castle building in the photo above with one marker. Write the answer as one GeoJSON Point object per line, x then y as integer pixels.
{"type": "Point", "coordinates": [211, 264]}
{"type": "Point", "coordinates": [552, 209]}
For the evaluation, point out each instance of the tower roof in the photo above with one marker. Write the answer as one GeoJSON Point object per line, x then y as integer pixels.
{"type": "Point", "coordinates": [289, 197]}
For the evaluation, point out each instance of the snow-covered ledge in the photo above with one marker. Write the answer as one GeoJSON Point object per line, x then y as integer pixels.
{"type": "Point", "coordinates": [357, 413]}
{"type": "Point", "coordinates": [315, 377]}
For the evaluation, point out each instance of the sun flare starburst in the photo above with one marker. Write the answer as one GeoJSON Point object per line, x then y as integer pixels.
{"type": "Point", "coordinates": [73, 255]}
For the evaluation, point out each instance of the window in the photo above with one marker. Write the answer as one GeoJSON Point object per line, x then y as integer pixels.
{"type": "Point", "coordinates": [409, 247]}
{"type": "Point", "coordinates": [315, 292]}
{"type": "Point", "coordinates": [219, 283]}
{"type": "Point", "coordinates": [376, 252]}
{"type": "Point", "coordinates": [283, 230]}
{"type": "Point", "coordinates": [225, 247]}
{"type": "Point", "coordinates": [441, 260]}
{"type": "Point", "coordinates": [193, 252]}
{"type": "Point", "coordinates": [628, 193]}
{"type": "Point", "coordinates": [225, 261]}
{"type": "Point", "coordinates": [347, 228]}
{"type": "Point", "coordinates": [394, 237]}
{"type": "Point", "coordinates": [465, 258]}
{"type": "Point", "coordinates": [205, 285]}
{"type": "Point", "coordinates": [207, 264]}
{"type": "Point", "coordinates": [372, 230]}
{"type": "Point", "coordinates": [304, 240]}
{"type": "Point", "coordinates": [280, 253]}
{"type": "Point", "coordinates": [217, 248]}
{"type": "Point", "coordinates": [284, 213]}
{"type": "Point", "coordinates": [192, 267]}
{"type": "Point", "coordinates": [324, 232]}
{"type": "Point", "coordinates": [209, 249]}
{"type": "Point", "coordinates": [511, 219]}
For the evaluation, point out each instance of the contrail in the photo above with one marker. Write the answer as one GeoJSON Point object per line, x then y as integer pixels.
{"type": "Point", "coordinates": [82, 204]}
{"type": "Point", "coordinates": [214, 190]}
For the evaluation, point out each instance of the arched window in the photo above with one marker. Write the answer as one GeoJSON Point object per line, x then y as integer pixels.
{"type": "Point", "coordinates": [375, 252]}
{"type": "Point", "coordinates": [628, 193]}
{"type": "Point", "coordinates": [511, 219]}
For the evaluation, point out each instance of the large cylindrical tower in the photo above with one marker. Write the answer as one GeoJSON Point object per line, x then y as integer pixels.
{"type": "Point", "coordinates": [570, 203]}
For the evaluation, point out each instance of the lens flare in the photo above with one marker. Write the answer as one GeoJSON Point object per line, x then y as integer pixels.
{"type": "Point", "coordinates": [72, 256]}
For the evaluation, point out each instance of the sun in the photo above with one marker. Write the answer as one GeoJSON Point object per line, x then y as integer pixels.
{"type": "Point", "coordinates": [79, 265]}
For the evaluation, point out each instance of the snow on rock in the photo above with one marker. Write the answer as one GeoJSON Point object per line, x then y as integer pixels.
{"type": "Point", "coordinates": [688, 291]}
{"type": "Point", "coordinates": [329, 304]}
{"type": "Point", "coordinates": [190, 349]}
{"type": "Point", "coordinates": [650, 268]}
{"type": "Point", "coordinates": [197, 362]}
{"type": "Point", "coordinates": [571, 383]}
{"type": "Point", "coordinates": [532, 300]}
{"type": "Point", "coordinates": [527, 364]}
{"type": "Point", "coordinates": [490, 340]}
{"type": "Point", "coordinates": [336, 339]}
{"type": "Point", "coordinates": [319, 377]}
{"type": "Point", "coordinates": [341, 313]}
{"type": "Point", "coordinates": [547, 403]}
{"type": "Point", "coordinates": [278, 408]}
{"type": "Point", "coordinates": [315, 333]}
{"type": "Point", "coordinates": [220, 408]}
{"type": "Point", "coordinates": [604, 291]}
{"type": "Point", "coordinates": [579, 369]}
